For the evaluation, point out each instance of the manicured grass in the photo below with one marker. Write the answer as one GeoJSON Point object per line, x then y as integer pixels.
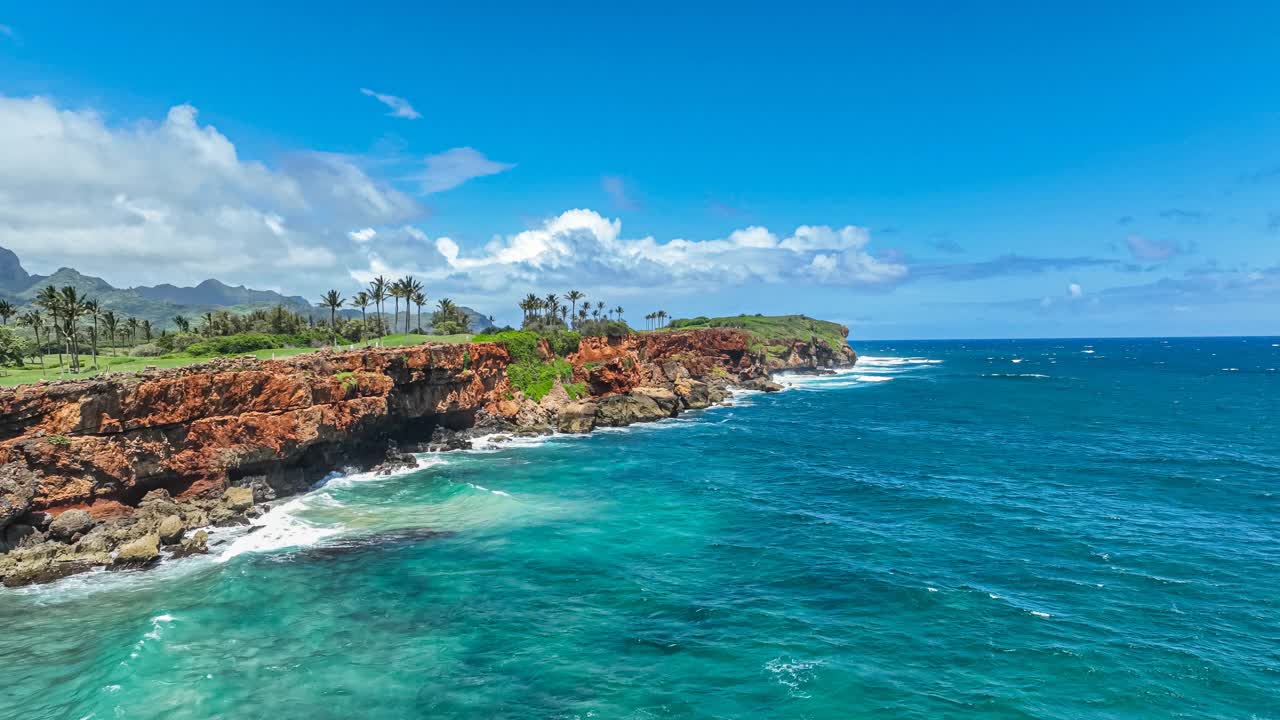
{"type": "Point", "coordinates": [122, 363]}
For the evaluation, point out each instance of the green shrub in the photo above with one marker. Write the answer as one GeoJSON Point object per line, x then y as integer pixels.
{"type": "Point", "coordinates": [59, 440]}
{"type": "Point", "coordinates": [564, 342]}
{"type": "Point", "coordinates": [235, 344]}
{"type": "Point", "coordinates": [535, 379]}
{"type": "Point", "coordinates": [576, 390]}
{"type": "Point", "coordinates": [521, 344]}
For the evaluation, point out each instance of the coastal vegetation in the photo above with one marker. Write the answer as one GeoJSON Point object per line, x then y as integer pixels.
{"type": "Point", "coordinates": [772, 334]}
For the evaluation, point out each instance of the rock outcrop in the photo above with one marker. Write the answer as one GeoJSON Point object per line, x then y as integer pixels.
{"type": "Point", "coordinates": [122, 470]}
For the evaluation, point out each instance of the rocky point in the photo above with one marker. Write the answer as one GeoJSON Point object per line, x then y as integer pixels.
{"type": "Point", "coordinates": [121, 471]}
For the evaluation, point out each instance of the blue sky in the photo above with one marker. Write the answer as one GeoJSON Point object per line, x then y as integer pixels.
{"type": "Point", "coordinates": [931, 171]}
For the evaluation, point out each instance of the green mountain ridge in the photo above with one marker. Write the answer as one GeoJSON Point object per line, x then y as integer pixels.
{"type": "Point", "coordinates": [160, 303]}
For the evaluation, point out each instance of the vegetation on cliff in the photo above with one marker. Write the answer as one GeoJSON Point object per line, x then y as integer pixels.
{"type": "Point", "coordinates": [530, 372]}
{"type": "Point", "coordinates": [773, 333]}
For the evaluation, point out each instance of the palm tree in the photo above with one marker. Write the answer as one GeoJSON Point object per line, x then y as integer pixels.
{"type": "Point", "coordinates": [333, 301]}
{"type": "Point", "coordinates": [410, 287]}
{"type": "Point", "coordinates": [7, 310]}
{"type": "Point", "coordinates": [91, 307]}
{"type": "Point", "coordinates": [146, 330]}
{"type": "Point", "coordinates": [72, 308]}
{"type": "Point", "coordinates": [550, 303]}
{"type": "Point", "coordinates": [131, 326]}
{"type": "Point", "coordinates": [49, 299]}
{"type": "Point", "coordinates": [419, 298]}
{"type": "Point", "coordinates": [378, 294]}
{"type": "Point", "coordinates": [529, 304]}
{"type": "Point", "coordinates": [361, 300]}
{"type": "Point", "coordinates": [564, 315]}
{"type": "Point", "coordinates": [33, 320]}
{"type": "Point", "coordinates": [573, 296]}
{"type": "Point", "coordinates": [662, 318]}
{"type": "Point", "coordinates": [618, 312]}
{"type": "Point", "coordinates": [184, 325]}
{"type": "Point", "coordinates": [208, 324]}
{"type": "Point", "coordinates": [396, 291]}
{"type": "Point", "coordinates": [112, 324]}
{"type": "Point", "coordinates": [600, 308]}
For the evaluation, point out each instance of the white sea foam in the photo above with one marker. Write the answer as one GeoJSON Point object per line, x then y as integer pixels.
{"type": "Point", "coordinates": [793, 674]}
{"type": "Point", "coordinates": [283, 527]}
{"type": "Point", "coordinates": [1014, 375]}
{"type": "Point", "coordinates": [1037, 613]}
{"type": "Point", "coordinates": [872, 378]}
{"type": "Point", "coordinates": [1016, 360]}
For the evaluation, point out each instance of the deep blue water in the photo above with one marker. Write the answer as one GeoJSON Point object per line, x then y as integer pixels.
{"type": "Point", "coordinates": [1091, 532]}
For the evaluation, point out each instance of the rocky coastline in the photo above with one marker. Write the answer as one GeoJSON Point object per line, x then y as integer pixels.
{"type": "Point", "coordinates": [124, 471]}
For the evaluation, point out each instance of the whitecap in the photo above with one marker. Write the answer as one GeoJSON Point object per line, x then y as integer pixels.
{"type": "Point", "coordinates": [282, 527]}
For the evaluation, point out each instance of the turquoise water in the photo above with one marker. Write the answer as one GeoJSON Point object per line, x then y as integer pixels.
{"type": "Point", "coordinates": [1092, 532]}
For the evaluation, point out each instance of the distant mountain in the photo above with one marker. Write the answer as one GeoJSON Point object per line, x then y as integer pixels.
{"type": "Point", "coordinates": [158, 304]}
{"type": "Point", "coordinates": [213, 292]}
{"type": "Point", "coordinates": [12, 275]}
{"type": "Point", "coordinates": [479, 321]}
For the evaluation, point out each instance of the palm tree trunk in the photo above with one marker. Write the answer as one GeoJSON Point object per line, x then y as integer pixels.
{"type": "Point", "coordinates": [333, 325]}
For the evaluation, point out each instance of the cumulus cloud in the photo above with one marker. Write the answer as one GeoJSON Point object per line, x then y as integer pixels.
{"type": "Point", "coordinates": [399, 106]}
{"type": "Point", "coordinates": [582, 247]}
{"type": "Point", "coordinates": [362, 236]}
{"type": "Point", "coordinates": [171, 201]}
{"type": "Point", "coordinates": [451, 168]}
{"type": "Point", "coordinates": [1148, 250]}
{"type": "Point", "coordinates": [1074, 290]}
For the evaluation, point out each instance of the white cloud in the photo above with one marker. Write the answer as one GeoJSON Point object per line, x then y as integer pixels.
{"type": "Point", "coordinates": [172, 201]}
{"type": "Point", "coordinates": [362, 236]}
{"type": "Point", "coordinates": [582, 247]}
{"type": "Point", "coordinates": [399, 106]}
{"type": "Point", "coordinates": [451, 168]}
{"type": "Point", "coordinates": [1074, 290]}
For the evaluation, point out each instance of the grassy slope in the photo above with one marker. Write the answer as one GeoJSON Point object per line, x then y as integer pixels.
{"type": "Point", "coordinates": [771, 330]}
{"type": "Point", "coordinates": [122, 363]}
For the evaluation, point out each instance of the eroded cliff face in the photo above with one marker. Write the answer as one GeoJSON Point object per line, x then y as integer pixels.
{"type": "Point", "coordinates": [125, 457]}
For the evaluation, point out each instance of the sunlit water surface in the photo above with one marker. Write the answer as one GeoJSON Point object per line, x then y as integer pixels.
{"type": "Point", "coordinates": [1048, 529]}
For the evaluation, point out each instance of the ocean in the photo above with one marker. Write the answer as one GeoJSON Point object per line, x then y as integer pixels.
{"type": "Point", "coordinates": [977, 529]}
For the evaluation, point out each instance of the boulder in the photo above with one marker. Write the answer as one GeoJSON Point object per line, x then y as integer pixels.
{"type": "Point", "coordinates": [142, 551]}
{"type": "Point", "coordinates": [665, 399]}
{"type": "Point", "coordinates": [238, 498]}
{"type": "Point", "coordinates": [578, 417]}
{"type": "Point", "coordinates": [170, 530]}
{"type": "Point", "coordinates": [693, 394]}
{"type": "Point", "coordinates": [71, 523]}
{"type": "Point", "coordinates": [762, 384]}
{"type": "Point", "coordinates": [620, 410]}
{"type": "Point", "coordinates": [195, 544]}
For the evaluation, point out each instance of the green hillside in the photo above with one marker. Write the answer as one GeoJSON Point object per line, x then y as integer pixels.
{"type": "Point", "coordinates": [772, 330]}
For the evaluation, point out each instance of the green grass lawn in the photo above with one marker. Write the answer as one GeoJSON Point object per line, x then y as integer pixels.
{"type": "Point", "coordinates": [123, 363]}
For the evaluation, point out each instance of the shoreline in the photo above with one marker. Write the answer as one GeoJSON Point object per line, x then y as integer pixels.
{"type": "Point", "coordinates": [126, 473]}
